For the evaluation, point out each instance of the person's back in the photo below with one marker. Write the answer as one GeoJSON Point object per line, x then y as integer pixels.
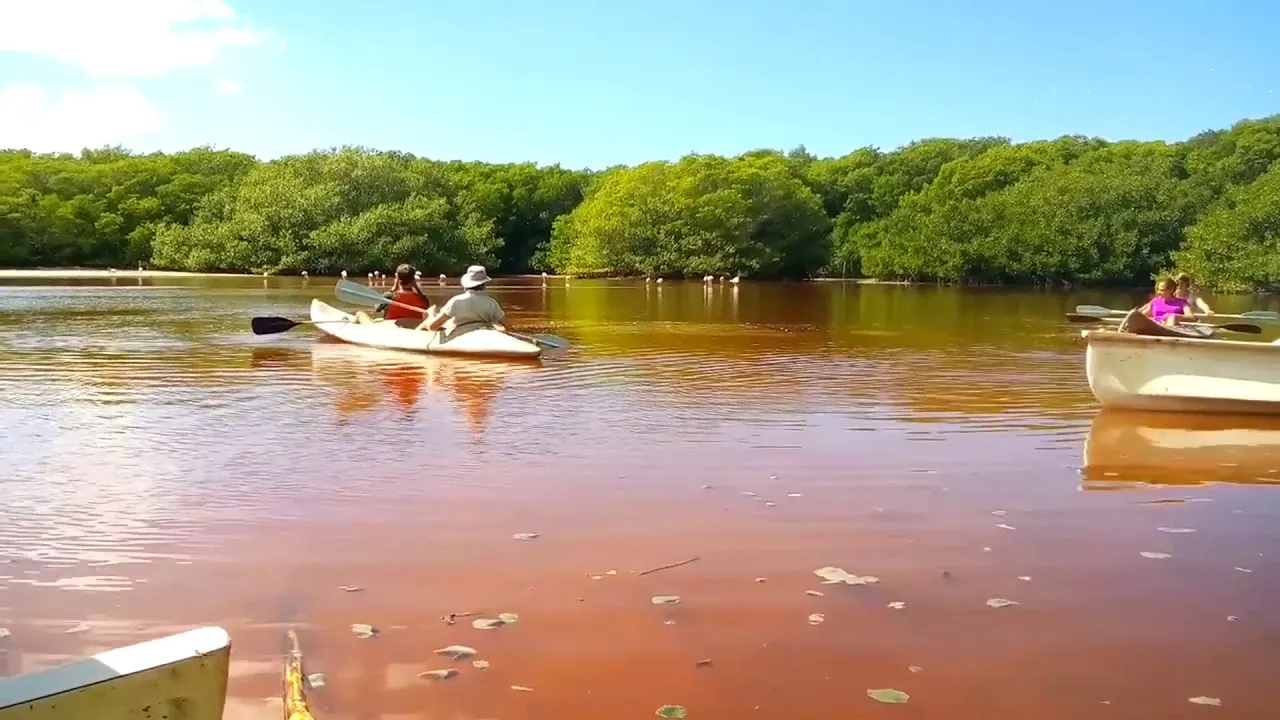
{"type": "Point", "coordinates": [471, 307]}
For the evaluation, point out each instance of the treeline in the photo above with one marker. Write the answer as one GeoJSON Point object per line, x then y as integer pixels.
{"type": "Point", "coordinates": [980, 210]}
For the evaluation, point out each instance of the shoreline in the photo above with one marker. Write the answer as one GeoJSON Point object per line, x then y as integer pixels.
{"type": "Point", "coordinates": [18, 274]}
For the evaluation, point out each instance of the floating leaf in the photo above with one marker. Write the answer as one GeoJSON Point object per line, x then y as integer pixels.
{"type": "Point", "coordinates": [675, 712]}
{"type": "Point", "coordinates": [793, 495]}
{"type": "Point", "coordinates": [999, 513]}
{"type": "Point", "coordinates": [817, 619]}
{"type": "Point", "coordinates": [439, 674]}
{"type": "Point", "coordinates": [833, 575]}
{"type": "Point", "coordinates": [1230, 618]}
{"type": "Point", "coordinates": [486, 623]}
{"type": "Point", "coordinates": [316, 680]}
{"type": "Point", "coordinates": [1155, 555]}
{"type": "Point", "coordinates": [748, 493]}
{"type": "Point", "coordinates": [1024, 578]}
{"type": "Point", "coordinates": [703, 663]}
{"type": "Point", "coordinates": [986, 549]}
{"type": "Point", "coordinates": [78, 628]}
{"type": "Point", "coordinates": [888, 695]}
{"type": "Point", "coordinates": [770, 503]}
{"type": "Point", "coordinates": [897, 604]}
{"type": "Point", "coordinates": [1000, 602]}
{"type": "Point", "coordinates": [760, 580]}
{"type": "Point", "coordinates": [480, 664]}
{"type": "Point", "coordinates": [363, 631]}
{"type": "Point", "coordinates": [525, 536]}
{"type": "Point", "coordinates": [4, 633]}
{"type": "Point", "coordinates": [1243, 569]}
{"type": "Point", "coordinates": [457, 652]}
{"type": "Point", "coordinates": [814, 593]}
{"type": "Point", "coordinates": [350, 588]}
{"type": "Point", "coordinates": [508, 618]}
{"type": "Point", "coordinates": [597, 577]}
{"type": "Point", "coordinates": [1202, 700]}
{"type": "Point", "coordinates": [1176, 530]}
{"type": "Point", "coordinates": [521, 688]}
{"type": "Point", "coordinates": [665, 599]}
{"type": "Point", "coordinates": [914, 668]}
{"type": "Point", "coordinates": [1003, 526]}
{"type": "Point", "coordinates": [611, 572]}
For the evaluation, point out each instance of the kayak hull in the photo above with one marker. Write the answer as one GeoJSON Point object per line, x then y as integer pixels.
{"type": "Point", "coordinates": [480, 341]}
{"type": "Point", "coordinates": [1138, 324]}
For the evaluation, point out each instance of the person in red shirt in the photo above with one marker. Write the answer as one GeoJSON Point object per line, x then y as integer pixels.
{"type": "Point", "coordinates": [406, 292]}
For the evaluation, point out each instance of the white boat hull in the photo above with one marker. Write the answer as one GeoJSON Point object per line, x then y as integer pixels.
{"type": "Point", "coordinates": [481, 341]}
{"type": "Point", "coordinates": [1182, 375]}
{"type": "Point", "coordinates": [179, 676]}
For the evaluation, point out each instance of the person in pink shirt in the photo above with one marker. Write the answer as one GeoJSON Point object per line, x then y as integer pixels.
{"type": "Point", "coordinates": [1166, 307]}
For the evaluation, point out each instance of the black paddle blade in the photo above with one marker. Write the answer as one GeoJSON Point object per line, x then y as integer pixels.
{"type": "Point", "coordinates": [1084, 319]}
{"type": "Point", "coordinates": [1242, 328]}
{"type": "Point", "coordinates": [271, 325]}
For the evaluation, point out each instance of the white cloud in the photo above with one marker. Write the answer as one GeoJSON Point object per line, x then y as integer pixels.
{"type": "Point", "coordinates": [228, 86]}
{"type": "Point", "coordinates": [125, 38]}
{"type": "Point", "coordinates": [30, 117]}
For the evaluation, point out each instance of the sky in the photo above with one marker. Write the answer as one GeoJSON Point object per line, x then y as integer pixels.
{"type": "Point", "coordinates": [593, 83]}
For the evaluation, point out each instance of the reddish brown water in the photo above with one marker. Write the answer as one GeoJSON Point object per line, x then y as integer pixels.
{"type": "Point", "coordinates": [163, 468]}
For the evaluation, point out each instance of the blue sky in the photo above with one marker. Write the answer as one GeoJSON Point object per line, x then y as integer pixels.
{"type": "Point", "coordinates": [594, 83]}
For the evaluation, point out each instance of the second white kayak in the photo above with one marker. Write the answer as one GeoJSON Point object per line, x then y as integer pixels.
{"type": "Point", "coordinates": [481, 341]}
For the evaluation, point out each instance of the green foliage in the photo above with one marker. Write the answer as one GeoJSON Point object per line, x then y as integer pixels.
{"type": "Point", "coordinates": [978, 210]}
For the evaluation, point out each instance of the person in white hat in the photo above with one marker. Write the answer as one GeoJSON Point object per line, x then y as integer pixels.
{"type": "Point", "coordinates": [473, 306]}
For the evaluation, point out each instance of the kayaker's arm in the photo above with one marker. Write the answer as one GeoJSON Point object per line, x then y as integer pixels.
{"type": "Point", "coordinates": [1203, 306]}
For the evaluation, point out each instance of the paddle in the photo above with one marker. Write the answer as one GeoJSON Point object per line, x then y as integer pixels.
{"type": "Point", "coordinates": [271, 324]}
{"type": "Point", "coordinates": [358, 294]}
{"type": "Point", "coordinates": [1229, 327]}
{"type": "Point", "coordinates": [1257, 316]}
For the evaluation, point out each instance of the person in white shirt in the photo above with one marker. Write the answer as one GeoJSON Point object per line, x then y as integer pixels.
{"type": "Point", "coordinates": [473, 306]}
{"type": "Point", "coordinates": [1188, 293]}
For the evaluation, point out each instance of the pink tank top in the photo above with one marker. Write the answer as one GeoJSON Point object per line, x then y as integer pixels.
{"type": "Point", "coordinates": [1162, 308]}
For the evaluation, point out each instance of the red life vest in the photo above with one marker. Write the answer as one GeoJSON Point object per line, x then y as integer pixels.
{"type": "Point", "coordinates": [406, 297]}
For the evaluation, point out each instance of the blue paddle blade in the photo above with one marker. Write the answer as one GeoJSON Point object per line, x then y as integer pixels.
{"type": "Point", "coordinates": [358, 294]}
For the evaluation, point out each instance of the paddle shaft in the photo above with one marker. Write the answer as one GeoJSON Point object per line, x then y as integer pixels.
{"type": "Point", "coordinates": [1257, 316]}
{"type": "Point", "coordinates": [1229, 327]}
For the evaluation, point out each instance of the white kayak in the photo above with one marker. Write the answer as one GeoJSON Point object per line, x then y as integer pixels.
{"type": "Point", "coordinates": [482, 341]}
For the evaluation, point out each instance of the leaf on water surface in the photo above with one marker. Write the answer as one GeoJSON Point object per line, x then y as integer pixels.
{"type": "Point", "coordinates": [1202, 700]}
{"type": "Point", "coordinates": [665, 599]}
{"type": "Point", "coordinates": [748, 493]}
{"type": "Point", "coordinates": [817, 619]}
{"type": "Point", "coordinates": [316, 680]}
{"type": "Point", "coordinates": [1243, 569]}
{"type": "Point", "coordinates": [674, 712]}
{"type": "Point", "coordinates": [1232, 618]}
{"type": "Point", "coordinates": [814, 593]}
{"type": "Point", "coordinates": [78, 628]}
{"type": "Point", "coordinates": [986, 549]}
{"type": "Point", "coordinates": [439, 674]}
{"type": "Point", "coordinates": [4, 633]}
{"type": "Point", "coordinates": [999, 513]}
{"type": "Point", "coordinates": [1000, 602]}
{"type": "Point", "coordinates": [480, 664]}
{"type": "Point", "coordinates": [1176, 530]}
{"type": "Point", "coordinates": [1024, 578]}
{"type": "Point", "coordinates": [508, 618]}
{"type": "Point", "coordinates": [363, 631]}
{"type": "Point", "coordinates": [611, 572]}
{"type": "Point", "coordinates": [457, 652]}
{"type": "Point", "coordinates": [597, 577]}
{"type": "Point", "coordinates": [833, 575]}
{"type": "Point", "coordinates": [1003, 526]}
{"type": "Point", "coordinates": [770, 503]}
{"type": "Point", "coordinates": [760, 580]}
{"type": "Point", "coordinates": [888, 695]}
{"type": "Point", "coordinates": [350, 588]}
{"type": "Point", "coordinates": [1155, 555]}
{"type": "Point", "coordinates": [897, 605]}
{"type": "Point", "coordinates": [793, 495]}
{"type": "Point", "coordinates": [703, 663]}
{"type": "Point", "coordinates": [521, 688]}
{"type": "Point", "coordinates": [914, 668]}
{"type": "Point", "coordinates": [706, 487]}
{"type": "Point", "coordinates": [486, 623]}
{"type": "Point", "coordinates": [525, 536]}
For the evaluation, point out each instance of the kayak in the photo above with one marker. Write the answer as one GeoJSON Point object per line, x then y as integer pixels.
{"type": "Point", "coordinates": [480, 341]}
{"type": "Point", "coordinates": [1138, 324]}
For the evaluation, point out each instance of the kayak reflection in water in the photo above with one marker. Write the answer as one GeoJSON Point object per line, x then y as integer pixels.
{"type": "Point", "coordinates": [473, 306]}
{"type": "Point", "coordinates": [1166, 307]}
{"type": "Point", "coordinates": [405, 291]}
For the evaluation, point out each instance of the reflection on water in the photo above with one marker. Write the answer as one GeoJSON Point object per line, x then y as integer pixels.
{"type": "Point", "coordinates": [165, 468]}
{"type": "Point", "coordinates": [1180, 449]}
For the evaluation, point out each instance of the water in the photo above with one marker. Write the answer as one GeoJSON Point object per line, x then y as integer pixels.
{"type": "Point", "coordinates": [164, 468]}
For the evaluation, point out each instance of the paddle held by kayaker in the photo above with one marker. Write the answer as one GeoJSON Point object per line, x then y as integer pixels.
{"type": "Point", "coordinates": [472, 306]}
{"type": "Point", "coordinates": [405, 291]}
{"type": "Point", "coordinates": [1187, 291]}
{"type": "Point", "coordinates": [1166, 307]}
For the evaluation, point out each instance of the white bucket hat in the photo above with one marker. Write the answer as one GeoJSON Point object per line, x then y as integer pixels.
{"type": "Point", "coordinates": [474, 277]}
